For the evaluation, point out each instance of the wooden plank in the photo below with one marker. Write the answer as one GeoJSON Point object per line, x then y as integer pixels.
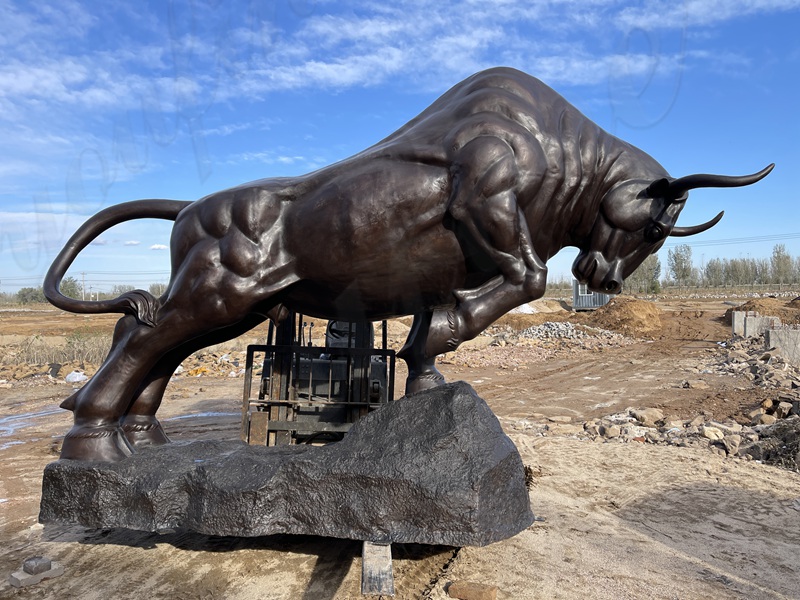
{"type": "Point", "coordinates": [377, 578]}
{"type": "Point", "coordinates": [259, 423]}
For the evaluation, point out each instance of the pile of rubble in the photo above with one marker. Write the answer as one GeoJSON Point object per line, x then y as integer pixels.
{"type": "Point", "coordinates": [564, 333]}
{"type": "Point", "coordinates": [566, 330]}
{"type": "Point", "coordinates": [777, 443]}
{"type": "Point", "coordinates": [213, 364]}
{"type": "Point", "coordinates": [773, 435]}
{"type": "Point", "coordinates": [765, 368]}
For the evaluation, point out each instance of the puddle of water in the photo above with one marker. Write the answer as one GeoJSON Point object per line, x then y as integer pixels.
{"type": "Point", "coordinates": [204, 414]}
{"type": "Point", "coordinates": [8, 445]}
{"type": "Point", "coordinates": [10, 425]}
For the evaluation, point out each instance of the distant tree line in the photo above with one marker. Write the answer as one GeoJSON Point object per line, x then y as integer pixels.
{"type": "Point", "coordinates": [780, 268]}
{"type": "Point", "coordinates": [72, 288]}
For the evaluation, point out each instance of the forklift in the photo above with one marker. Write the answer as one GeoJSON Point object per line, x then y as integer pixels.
{"type": "Point", "coordinates": [307, 394]}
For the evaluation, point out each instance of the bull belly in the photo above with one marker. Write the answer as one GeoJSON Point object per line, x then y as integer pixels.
{"type": "Point", "coordinates": [388, 292]}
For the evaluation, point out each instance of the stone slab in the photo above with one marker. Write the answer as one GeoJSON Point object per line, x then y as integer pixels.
{"type": "Point", "coordinates": [434, 467]}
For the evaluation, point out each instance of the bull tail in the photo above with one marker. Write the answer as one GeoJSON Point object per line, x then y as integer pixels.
{"type": "Point", "coordinates": [139, 303]}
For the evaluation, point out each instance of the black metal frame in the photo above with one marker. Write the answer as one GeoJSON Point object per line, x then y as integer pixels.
{"type": "Point", "coordinates": [290, 393]}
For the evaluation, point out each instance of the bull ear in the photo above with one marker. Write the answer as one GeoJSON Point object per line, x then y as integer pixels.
{"type": "Point", "coordinates": [658, 189]}
{"type": "Point", "coordinates": [684, 231]}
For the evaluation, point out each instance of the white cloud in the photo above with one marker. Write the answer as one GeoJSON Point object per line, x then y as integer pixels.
{"type": "Point", "coordinates": [57, 89]}
{"type": "Point", "coordinates": [99, 242]}
{"type": "Point", "coordinates": [694, 13]}
{"type": "Point", "coordinates": [159, 247]}
{"type": "Point", "coordinates": [132, 243]}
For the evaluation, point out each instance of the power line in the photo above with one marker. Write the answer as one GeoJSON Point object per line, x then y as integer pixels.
{"type": "Point", "coordinates": [740, 240]}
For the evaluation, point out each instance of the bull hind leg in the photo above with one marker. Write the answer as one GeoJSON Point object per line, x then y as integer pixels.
{"type": "Point", "coordinates": [140, 425]}
{"type": "Point", "coordinates": [106, 398]}
{"type": "Point", "coordinates": [101, 404]}
{"type": "Point", "coordinates": [92, 437]}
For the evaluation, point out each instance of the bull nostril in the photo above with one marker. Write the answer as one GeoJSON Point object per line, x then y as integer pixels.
{"type": "Point", "coordinates": [611, 286]}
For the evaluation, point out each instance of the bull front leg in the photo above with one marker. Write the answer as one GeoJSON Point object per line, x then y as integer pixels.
{"type": "Point", "coordinates": [450, 328]}
{"type": "Point", "coordinates": [484, 202]}
{"type": "Point", "coordinates": [422, 371]}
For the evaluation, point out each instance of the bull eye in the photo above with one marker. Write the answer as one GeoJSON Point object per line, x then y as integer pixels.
{"type": "Point", "coordinates": [653, 233]}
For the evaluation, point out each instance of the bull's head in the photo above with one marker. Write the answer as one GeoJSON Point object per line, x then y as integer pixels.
{"type": "Point", "coordinates": [635, 218]}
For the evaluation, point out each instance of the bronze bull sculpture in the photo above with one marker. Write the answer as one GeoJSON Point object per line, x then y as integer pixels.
{"type": "Point", "coordinates": [451, 218]}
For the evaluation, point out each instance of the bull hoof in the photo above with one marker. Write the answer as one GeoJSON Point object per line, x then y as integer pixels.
{"type": "Point", "coordinates": [444, 333]}
{"type": "Point", "coordinates": [96, 443]}
{"type": "Point", "coordinates": [424, 381]}
{"type": "Point", "coordinates": [143, 430]}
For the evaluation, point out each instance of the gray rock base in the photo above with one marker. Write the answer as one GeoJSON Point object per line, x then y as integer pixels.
{"type": "Point", "coordinates": [433, 468]}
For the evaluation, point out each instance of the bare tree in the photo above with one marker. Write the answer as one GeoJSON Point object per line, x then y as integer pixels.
{"type": "Point", "coordinates": [157, 289]}
{"type": "Point", "coordinates": [646, 277]}
{"type": "Point", "coordinates": [679, 262]}
{"type": "Point", "coordinates": [715, 272]}
{"type": "Point", "coordinates": [781, 265]}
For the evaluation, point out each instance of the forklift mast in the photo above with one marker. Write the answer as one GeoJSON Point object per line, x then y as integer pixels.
{"type": "Point", "coordinates": [313, 394]}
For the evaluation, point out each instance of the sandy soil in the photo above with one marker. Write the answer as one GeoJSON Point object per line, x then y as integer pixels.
{"type": "Point", "coordinates": [620, 520]}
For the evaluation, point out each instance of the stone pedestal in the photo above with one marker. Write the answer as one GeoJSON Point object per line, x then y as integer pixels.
{"type": "Point", "coordinates": [432, 468]}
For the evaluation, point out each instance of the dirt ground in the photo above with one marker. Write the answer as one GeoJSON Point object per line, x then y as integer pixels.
{"type": "Point", "coordinates": [618, 520]}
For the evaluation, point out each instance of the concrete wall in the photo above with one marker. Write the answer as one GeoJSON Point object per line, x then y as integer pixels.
{"type": "Point", "coordinates": [737, 320]}
{"type": "Point", "coordinates": [787, 341]}
{"type": "Point", "coordinates": [751, 324]}
{"type": "Point", "coordinates": [755, 326]}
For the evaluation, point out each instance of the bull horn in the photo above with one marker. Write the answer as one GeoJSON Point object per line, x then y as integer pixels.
{"type": "Point", "coordinates": [678, 187]}
{"type": "Point", "coordinates": [684, 231]}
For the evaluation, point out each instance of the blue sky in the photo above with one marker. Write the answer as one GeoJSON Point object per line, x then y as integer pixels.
{"type": "Point", "coordinates": [104, 102]}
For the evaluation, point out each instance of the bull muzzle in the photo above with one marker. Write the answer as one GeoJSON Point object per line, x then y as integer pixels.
{"type": "Point", "coordinates": [597, 273]}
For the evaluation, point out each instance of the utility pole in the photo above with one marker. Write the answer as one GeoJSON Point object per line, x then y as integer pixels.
{"type": "Point", "coordinates": [83, 287]}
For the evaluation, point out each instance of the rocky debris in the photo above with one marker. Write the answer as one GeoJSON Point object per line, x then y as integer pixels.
{"type": "Point", "coordinates": [513, 349]}
{"type": "Point", "coordinates": [567, 330]}
{"type": "Point", "coordinates": [729, 294]}
{"type": "Point", "coordinates": [771, 440]}
{"type": "Point", "coordinates": [695, 384]}
{"type": "Point", "coordinates": [777, 444]}
{"type": "Point", "coordinates": [649, 417]}
{"type": "Point", "coordinates": [764, 367]}
{"type": "Point", "coordinates": [550, 331]}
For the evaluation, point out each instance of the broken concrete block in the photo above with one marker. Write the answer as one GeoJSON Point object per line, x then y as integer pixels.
{"type": "Point", "coordinates": [36, 565]}
{"type": "Point", "coordinates": [711, 433]}
{"type": "Point", "coordinates": [783, 410]}
{"type": "Point", "coordinates": [765, 420]}
{"type": "Point", "coordinates": [34, 570]}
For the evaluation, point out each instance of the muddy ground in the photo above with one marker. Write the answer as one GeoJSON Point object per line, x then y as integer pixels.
{"type": "Point", "coordinates": [620, 520]}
